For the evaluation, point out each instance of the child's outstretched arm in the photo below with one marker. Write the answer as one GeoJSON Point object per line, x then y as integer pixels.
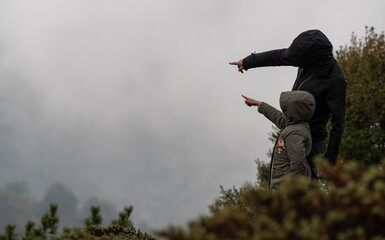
{"type": "Point", "coordinates": [270, 112]}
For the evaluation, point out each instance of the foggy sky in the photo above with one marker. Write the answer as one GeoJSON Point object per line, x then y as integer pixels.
{"type": "Point", "coordinates": [134, 101]}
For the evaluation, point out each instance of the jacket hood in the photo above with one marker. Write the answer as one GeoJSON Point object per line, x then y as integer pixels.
{"type": "Point", "coordinates": [298, 106]}
{"type": "Point", "coordinates": [311, 49]}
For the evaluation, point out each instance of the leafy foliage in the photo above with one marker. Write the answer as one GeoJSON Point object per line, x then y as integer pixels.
{"type": "Point", "coordinates": [10, 233]}
{"type": "Point", "coordinates": [95, 219]}
{"type": "Point", "coordinates": [50, 220]}
{"type": "Point", "coordinates": [124, 217]}
{"type": "Point", "coordinates": [233, 196]}
{"type": "Point", "coordinates": [350, 206]}
{"type": "Point", "coordinates": [363, 63]}
{"type": "Point", "coordinates": [263, 171]}
{"type": "Point", "coordinates": [119, 229]}
{"type": "Point", "coordinates": [31, 232]}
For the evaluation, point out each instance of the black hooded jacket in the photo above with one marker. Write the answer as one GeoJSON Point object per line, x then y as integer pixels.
{"type": "Point", "coordinates": [319, 74]}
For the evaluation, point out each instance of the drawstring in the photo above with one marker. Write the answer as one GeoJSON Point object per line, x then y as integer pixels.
{"type": "Point", "coordinates": [305, 81]}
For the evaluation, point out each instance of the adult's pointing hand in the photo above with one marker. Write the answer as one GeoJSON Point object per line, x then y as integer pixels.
{"type": "Point", "coordinates": [239, 65]}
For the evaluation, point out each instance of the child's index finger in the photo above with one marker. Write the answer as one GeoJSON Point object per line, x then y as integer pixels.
{"type": "Point", "coordinates": [244, 97]}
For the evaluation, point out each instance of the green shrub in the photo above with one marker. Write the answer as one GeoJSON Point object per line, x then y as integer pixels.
{"type": "Point", "coordinates": [350, 204]}
{"type": "Point", "coordinates": [10, 233]}
{"type": "Point", "coordinates": [124, 218]}
{"type": "Point", "coordinates": [95, 219]}
{"type": "Point", "coordinates": [121, 229]}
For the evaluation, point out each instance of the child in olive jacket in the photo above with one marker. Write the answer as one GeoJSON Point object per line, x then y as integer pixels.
{"type": "Point", "coordinates": [294, 141]}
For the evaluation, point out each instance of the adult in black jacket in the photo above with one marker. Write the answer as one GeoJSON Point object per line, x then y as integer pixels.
{"type": "Point", "coordinates": [319, 74]}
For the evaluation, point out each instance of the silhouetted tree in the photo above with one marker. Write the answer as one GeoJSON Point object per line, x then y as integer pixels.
{"type": "Point", "coordinates": [16, 204]}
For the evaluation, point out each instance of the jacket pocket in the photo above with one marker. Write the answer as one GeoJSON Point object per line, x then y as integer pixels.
{"type": "Point", "coordinates": [280, 167]}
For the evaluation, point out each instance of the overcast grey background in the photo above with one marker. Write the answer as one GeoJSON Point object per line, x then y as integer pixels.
{"type": "Point", "coordinates": [134, 101]}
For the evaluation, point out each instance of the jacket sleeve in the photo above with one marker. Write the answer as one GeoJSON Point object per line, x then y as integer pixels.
{"type": "Point", "coordinates": [296, 151]}
{"type": "Point", "coordinates": [336, 103]}
{"type": "Point", "coordinates": [274, 115]}
{"type": "Point", "coordinates": [279, 57]}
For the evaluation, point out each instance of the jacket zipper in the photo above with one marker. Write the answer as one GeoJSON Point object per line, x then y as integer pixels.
{"type": "Point", "coordinates": [305, 81]}
{"type": "Point", "coordinates": [272, 160]}
{"type": "Point", "coordinates": [272, 163]}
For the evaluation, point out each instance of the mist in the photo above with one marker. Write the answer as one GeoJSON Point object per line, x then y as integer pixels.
{"type": "Point", "coordinates": [18, 206]}
{"type": "Point", "coordinates": [135, 103]}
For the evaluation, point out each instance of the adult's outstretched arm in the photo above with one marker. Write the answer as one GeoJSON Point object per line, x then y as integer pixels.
{"type": "Point", "coordinates": [279, 57]}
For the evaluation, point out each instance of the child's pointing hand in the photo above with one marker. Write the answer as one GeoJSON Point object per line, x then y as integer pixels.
{"type": "Point", "coordinates": [251, 102]}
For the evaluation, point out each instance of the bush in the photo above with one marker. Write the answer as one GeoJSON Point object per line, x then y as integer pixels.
{"type": "Point", "coordinates": [363, 63]}
{"type": "Point", "coordinates": [350, 204]}
{"type": "Point", "coordinates": [120, 229]}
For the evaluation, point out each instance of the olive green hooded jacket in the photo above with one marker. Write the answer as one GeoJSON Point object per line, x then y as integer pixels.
{"type": "Point", "coordinates": [294, 141]}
